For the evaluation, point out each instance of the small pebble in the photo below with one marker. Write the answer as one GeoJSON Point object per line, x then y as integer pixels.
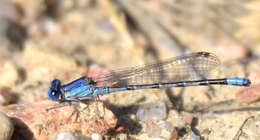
{"type": "Point", "coordinates": [166, 125]}
{"type": "Point", "coordinates": [10, 25]}
{"type": "Point", "coordinates": [252, 127]}
{"type": "Point", "coordinates": [167, 129]}
{"type": "Point", "coordinates": [188, 118]}
{"type": "Point", "coordinates": [109, 118]}
{"type": "Point", "coordinates": [9, 74]}
{"type": "Point", "coordinates": [194, 136]}
{"type": "Point", "coordinates": [8, 10]}
{"type": "Point", "coordinates": [152, 111]}
{"type": "Point", "coordinates": [120, 129]}
{"type": "Point", "coordinates": [5, 96]}
{"type": "Point", "coordinates": [96, 136]}
{"type": "Point", "coordinates": [230, 51]}
{"type": "Point", "coordinates": [52, 28]}
{"type": "Point", "coordinates": [249, 95]}
{"type": "Point", "coordinates": [161, 129]}
{"type": "Point", "coordinates": [122, 136]}
{"type": "Point", "coordinates": [204, 97]}
{"type": "Point", "coordinates": [70, 136]}
{"type": "Point", "coordinates": [176, 119]}
{"type": "Point", "coordinates": [7, 128]}
{"type": "Point", "coordinates": [153, 130]}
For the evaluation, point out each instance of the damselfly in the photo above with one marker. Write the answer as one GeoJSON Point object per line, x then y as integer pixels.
{"type": "Point", "coordinates": [186, 70]}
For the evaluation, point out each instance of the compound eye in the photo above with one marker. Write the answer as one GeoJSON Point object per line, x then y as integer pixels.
{"type": "Point", "coordinates": [54, 91]}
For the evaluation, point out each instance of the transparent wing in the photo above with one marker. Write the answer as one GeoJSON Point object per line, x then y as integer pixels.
{"type": "Point", "coordinates": [194, 66]}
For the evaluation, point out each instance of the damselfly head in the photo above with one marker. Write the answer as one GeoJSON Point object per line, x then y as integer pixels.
{"type": "Point", "coordinates": [54, 90]}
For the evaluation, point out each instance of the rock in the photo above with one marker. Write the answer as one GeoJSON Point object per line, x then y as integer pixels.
{"type": "Point", "coordinates": [7, 128]}
{"type": "Point", "coordinates": [249, 95]}
{"type": "Point", "coordinates": [34, 121]}
{"type": "Point", "coordinates": [152, 111]}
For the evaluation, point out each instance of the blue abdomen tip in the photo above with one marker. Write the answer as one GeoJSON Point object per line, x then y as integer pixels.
{"type": "Point", "coordinates": [238, 81]}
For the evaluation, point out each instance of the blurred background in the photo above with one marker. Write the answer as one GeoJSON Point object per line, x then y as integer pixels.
{"type": "Point", "coordinates": [65, 39]}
